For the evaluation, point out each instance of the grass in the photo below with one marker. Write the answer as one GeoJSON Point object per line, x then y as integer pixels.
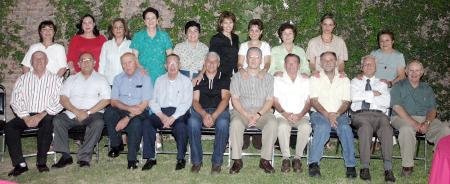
{"type": "Point", "coordinates": [114, 170]}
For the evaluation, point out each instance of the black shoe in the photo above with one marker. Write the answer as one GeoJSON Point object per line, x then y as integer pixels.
{"type": "Point", "coordinates": [115, 151]}
{"type": "Point", "coordinates": [389, 176]}
{"type": "Point", "coordinates": [84, 164]}
{"type": "Point", "coordinates": [63, 162]}
{"type": "Point", "coordinates": [149, 164]}
{"type": "Point", "coordinates": [18, 170]}
{"type": "Point", "coordinates": [132, 164]}
{"type": "Point", "coordinates": [42, 168]}
{"type": "Point", "coordinates": [180, 164]}
{"type": "Point", "coordinates": [314, 170]}
{"type": "Point", "coordinates": [351, 172]}
{"type": "Point", "coordinates": [364, 174]}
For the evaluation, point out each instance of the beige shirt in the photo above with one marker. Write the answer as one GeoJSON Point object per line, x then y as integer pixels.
{"type": "Point", "coordinates": [330, 93]}
{"type": "Point", "coordinates": [292, 95]}
{"type": "Point", "coordinates": [317, 47]}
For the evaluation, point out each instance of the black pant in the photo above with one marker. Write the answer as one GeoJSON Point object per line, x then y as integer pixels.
{"type": "Point", "coordinates": [13, 131]}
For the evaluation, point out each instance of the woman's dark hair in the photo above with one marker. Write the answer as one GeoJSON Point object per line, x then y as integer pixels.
{"type": "Point", "coordinates": [328, 16]}
{"type": "Point", "coordinates": [386, 32]}
{"type": "Point", "coordinates": [80, 27]}
{"type": "Point", "coordinates": [191, 24]}
{"type": "Point", "coordinates": [285, 26]}
{"type": "Point", "coordinates": [152, 10]}
{"type": "Point", "coordinates": [46, 23]}
{"type": "Point", "coordinates": [256, 22]}
{"type": "Point", "coordinates": [225, 15]}
{"type": "Point", "coordinates": [125, 27]}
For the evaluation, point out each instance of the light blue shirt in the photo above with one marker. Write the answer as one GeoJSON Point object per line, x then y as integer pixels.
{"type": "Point", "coordinates": [132, 90]}
{"type": "Point", "coordinates": [388, 63]}
{"type": "Point", "coordinates": [172, 93]}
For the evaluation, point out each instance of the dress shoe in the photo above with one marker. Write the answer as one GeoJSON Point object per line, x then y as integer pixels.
{"type": "Point", "coordinates": [180, 164]}
{"type": "Point", "coordinates": [297, 165]}
{"type": "Point", "coordinates": [407, 171]}
{"type": "Point", "coordinates": [364, 174]}
{"type": "Point", "coordinates": [42, 168]}
{"type": "Point", "coordinates": [132, 164]}
{"type": "Point", "coordinates": [237, 166]}
{"type": "Point", "coordinates": [215, 169]}
{"type": "Point", "coordinates": [314, 170]}
{"type": "Point", "coordinates": [115, 151]}
{"type": "Point", "coordinates": [149, 164]}
{"type": "Point", "coordinates": [63, 162]}
{"type": "Point", "coordinates": [266, 166]}
{"type": "Point", "coordinates": [286, 165]}
{"type": "Point", "coordinates": [351, 172]}
{"type": "Point", "coordinates": [84, 164]}
{"type": "Point", "coordinates": [18, 170]}
{"type": "Point", "coordinates": [389, 176]}
{"type": "Point", "coordinates": [196, 167]}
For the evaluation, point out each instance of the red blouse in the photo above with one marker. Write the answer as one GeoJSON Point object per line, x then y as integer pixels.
{"type": "Point", "coordinates": [79, 45]}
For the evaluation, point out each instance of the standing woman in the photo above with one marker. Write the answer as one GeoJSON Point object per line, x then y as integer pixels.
{"type": "Point", "coordinates": [192, 52]}
{"type": "Point", "coordinates": [56, 54]}
{"type": "Point", "coordinates": [118, 44]}
{"type": "Point", "coordinates": [87, 39]}
{"type": "Point", "coordinates": [151, 45]}
{"type": "Point", "coordinates": [226, 43]}
{"type": "Point", "coordinates": [327, 41]}
{"type": "Point", "coordinates": [287, 33]}
{"type": "Point", "coordinates": [390, 62]}
{"type": "Point", "coordinates": [255, 30]}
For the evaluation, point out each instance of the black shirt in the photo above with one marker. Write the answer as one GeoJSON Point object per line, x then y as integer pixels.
{"type": "Point", "coordinates": [227, 50]}
{"type": "Point", "coordinates": [211, 90]}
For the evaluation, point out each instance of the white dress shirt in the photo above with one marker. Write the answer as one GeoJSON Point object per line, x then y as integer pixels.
{"type": "Point", "coordinates": [85, 93]}
{"type": "Point", "coordinates": [292, 95]}
{"type": "Point", "coordinates": [56, 55]}
{"type": "Point", "coordinates": [110, 65]}
{"type": "Point", "coordinates": [359, 94]}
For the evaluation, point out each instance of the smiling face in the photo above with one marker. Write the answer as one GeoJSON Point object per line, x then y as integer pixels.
{"type": "Point", "coordinates": [47, 33]}
{"type": "Point", "coordinates": [227, 25]}
{"type": "Point", "coordinates": [192, 34]}
{"type": "Point", "coordinates": [327, 25]}
{"type": "Point", "coordinates": [369, 66]}
{"type": "Point", "coordinates": [86, 63]}
{"type": "Point", "coordinates": [172, 65]}
{"type": "Point", "coordinates": [129, 63]}
{"type": "Point", "coordinates": [150, 20]}
{"type": "Point", "coordinates": [287, 36]}
{"type": "Point", "coordinates": [292, 64]}
{"type": "Point", "coordinates": [39, 61]}
{"type": "Point", "coordinates": [88, 25]}
{"type": "Point", "coordinates": [254, 32]}
{"type": "Point", "coordinates": [118, 30]}
{"type": "Point", "coordinates": [385, 42]}
{"type": "Point", "coordinates": [211, 63]}
{"type": "Point", "coordinates": [253, 59]}
{"type": "Point", "coordinates": [414, 71]}
{"type": "Point", "coordinates": [328, 62]}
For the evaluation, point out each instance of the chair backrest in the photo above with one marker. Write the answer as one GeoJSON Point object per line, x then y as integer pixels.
{"type": "Point", "coordinates": [2, 100]}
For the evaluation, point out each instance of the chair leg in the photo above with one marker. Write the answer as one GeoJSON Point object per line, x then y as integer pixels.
{"type": "Point", "coordinates": [3, 147]}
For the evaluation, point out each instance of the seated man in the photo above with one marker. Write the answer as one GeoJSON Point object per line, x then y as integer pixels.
{"type": "Point", "coordinates": [330, 97]}
{"type": "Point", "coordinates": [291, 102]}
{"type": "Point", "coordinates": [210, 103]}
{"type": "Point", "coordinates": [370, 100]}
{"type": "Point", "coordinates": [35, 101]}
{"type": "Point", "coordinates": [84, 96]}
{"type": "Point", "coordinates": [252, 100]}
{"type": "Point", "coordinates": [130, 96]}
{"type": "Point", "coordinates": [414, 106]}
{"type": "Point", "coordinates": [171, 100]}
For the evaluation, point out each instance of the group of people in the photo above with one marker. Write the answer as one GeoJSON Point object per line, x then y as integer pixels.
{"type": "Point", "coordinates": [141, 85]}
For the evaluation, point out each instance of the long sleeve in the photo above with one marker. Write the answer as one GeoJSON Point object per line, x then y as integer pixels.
{"type": "Point", "coordinates": [54, 107]}
{"type": "Point", "coordinates": [154, 104]}
{"type": "Point", "coordinates": [358, 92]}
{"type": "Point", "coordinates": [186, 100]}
{"type": "Point", "coordinates": [18, 100]}
{"type": "Point", "coordinates": [103, 59]}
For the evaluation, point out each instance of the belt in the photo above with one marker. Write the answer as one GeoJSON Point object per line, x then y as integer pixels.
{"type": "Point", "coordinates": [368, 110]}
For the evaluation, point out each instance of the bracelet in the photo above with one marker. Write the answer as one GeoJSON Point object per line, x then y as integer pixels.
{"type": "Point", "coordinates": [259, 114]}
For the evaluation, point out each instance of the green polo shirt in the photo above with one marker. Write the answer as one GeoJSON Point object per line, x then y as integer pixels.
{"type": "Point", "coordinates": [416, 101]}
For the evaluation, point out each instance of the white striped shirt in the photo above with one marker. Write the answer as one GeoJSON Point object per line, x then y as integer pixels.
{"type": "Point", "coordinates": [32, 94]}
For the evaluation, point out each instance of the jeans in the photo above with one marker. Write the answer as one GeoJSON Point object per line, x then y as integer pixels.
{"type": "Point", "coordinates": [179, 133]}
{"type": "Point", "coordinates": [189, 74]}
{"type": "Point", "coordinates": [134, 129]}
{"type": "Point", "coordinates": [222, 127]}
{"type": "Point", "coordinates": [322, 128]}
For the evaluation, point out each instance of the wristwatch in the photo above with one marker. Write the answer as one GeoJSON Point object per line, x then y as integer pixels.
{"type": "Point", "coordinates": [427, 122]}
{"type": "Point", "coordinates": [89, 112]}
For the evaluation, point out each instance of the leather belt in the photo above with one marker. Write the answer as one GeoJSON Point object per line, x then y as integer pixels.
{"type": "Point", "coordinates": [368, 110]}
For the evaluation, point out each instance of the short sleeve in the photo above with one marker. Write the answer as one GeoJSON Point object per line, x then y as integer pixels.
{"type": "Point", "coordinates": [314, 87]}
{"type": "Point", "coordinates": [401, 62]}
{"type": "Point", "coordinates": [343, 50]}
{"type": "Point", "coordinates": [234, 86]}
{"type": "Point", "coordinates": [265, 47]}
{"type": "Point", "coordinates": [67, 86]}
{"type": "Point", "coordinates": [26, 61]}
{"type": "Point", "coordinates": [167, 42]}
{"type": "Point", "coordinates": [135, 41]}
{"type": "Point", "coordinates": [243, 49]}
{"type": "Point", "coordinates": [396, 95]}
{"type": "Point", "coordinates": [115, 88]}
{"type": "Point", "coordinates": [346, 90]}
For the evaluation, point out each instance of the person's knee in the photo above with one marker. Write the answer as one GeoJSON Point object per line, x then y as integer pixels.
{"type": "Point", "coordinates": [222, 126]}
{"type": "Point", "coordinates": [321, 126]}
{"type": "Point", "coordinates": [407, 131]}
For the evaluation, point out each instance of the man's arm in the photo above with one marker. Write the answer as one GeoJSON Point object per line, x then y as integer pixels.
{"type": "Point", "coordinates": [196, 103]}
{"type": "Point", "coordinates": [319, 108]}
{"type": "Point", "coordinates": [223, 103]}
{"type": "Point", "coordinates": [100, 105]}
{"type": "Point", "coordinates": [405, 116]}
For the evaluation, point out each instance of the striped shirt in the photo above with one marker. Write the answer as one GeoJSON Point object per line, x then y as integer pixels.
{"type": "Point", "coordinates": [252, 92]}
{"type": "Point", "coordinates": [32, 94]}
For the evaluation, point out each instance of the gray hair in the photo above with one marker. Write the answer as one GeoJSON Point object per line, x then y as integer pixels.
{"type": "Point", "coordinates": [213, 54]}
{"type": "Point", "coordinates": [368, 57]}
{"type": "Point", "coordinates": [255, 49]}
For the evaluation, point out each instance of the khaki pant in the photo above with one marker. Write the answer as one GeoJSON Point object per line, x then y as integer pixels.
{"type": "Point", "coordinates": [267, 123]}
{"type": "Point", "coordinates": [284, 134]}
{"type": "Point", "coordinates": [407, 136]}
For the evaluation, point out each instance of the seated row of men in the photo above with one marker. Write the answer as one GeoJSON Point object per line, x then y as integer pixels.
{"type": "Point", "coordinates": [253, 93]}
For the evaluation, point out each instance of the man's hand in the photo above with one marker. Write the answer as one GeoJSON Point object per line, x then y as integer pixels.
{"type": "Point", "coordinates": [296, 117]}
{"type": "Point", "coordinates": [81, 115]}
{"type": "Point", "coordinates": [135, 110]}
{"type": "Point", "coordinates": [376, 93]}
{"type": "Point", "coordinates": [332, 117]}
{"type": "Point", "coordinates": [360, 76]}
{"type": "Point", "coordinates": [287, 115]}
{"type": "Point", "coordinates": [252, 118]}
{"type": "Point", "coordinates": [208, 120]}
{"type": "Point", "coordinates": [169, 121]}
{"type": "Point", "coordinates": [278, 74]}
{"type": "Point", "coordinates": [316, 74]}
{"type": "Point", "coordinates": [342, 75]}
{"type": "Point", "coordinates": [122, 123]}
{"type": "Point", "coordinates": [196, 80]}
{"type": "Point", "coordinates": [30, 121]}
{"type": "Point", "coordinates": [424, 128]}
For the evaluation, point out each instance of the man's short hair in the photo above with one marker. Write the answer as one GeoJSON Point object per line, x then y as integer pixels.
{"type": "Point", "coordinates": [328, 52]}
{"type": "Point", "coordinates": [292, 55]}
{"type": "Point", "coordinates": [414, 61]}
{"type": "Point", "coordinates": [214, 54]}
{"type": "Point", "coordinates": [251, 49]}
{"type": "Point", "coordinates": [128, 54]}
{"type": "Point", "coordinates": [368, 57]}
